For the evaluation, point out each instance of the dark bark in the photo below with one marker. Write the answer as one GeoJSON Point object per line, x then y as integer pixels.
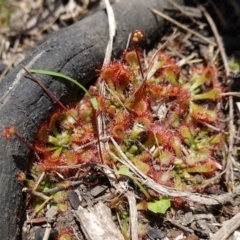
{"type": "Point", "coordinates": [76, 51]}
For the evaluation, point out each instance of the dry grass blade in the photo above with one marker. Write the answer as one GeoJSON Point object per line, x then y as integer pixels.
{"type": "Point", "coordinates": [133, 215]}
{"type": "Point", "coordinates": [47, 232]}
{"type": "Point", "coordinates": [148, 182]}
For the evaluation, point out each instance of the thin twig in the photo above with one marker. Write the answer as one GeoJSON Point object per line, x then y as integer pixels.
{"type": "Point", "coordinates": [180, 226]}
{"type": "Point", "coordinates": [218, 39]}
{"type": "Point", "coordinates": [35, 193]}
{"type": "Point", "coordinates": [183, 26]}
{"type": "Point", "coordinates": [227, 229]}
{"type": "Point", "coordinates": [182, 10]}
{"type": "Point", "coordinates": [44, 88]}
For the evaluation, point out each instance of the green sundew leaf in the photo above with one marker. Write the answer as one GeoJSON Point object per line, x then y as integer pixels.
{"type": "Point", "coordinates": [198, 156]}
{"type": "Point", "coordinates": [202, 114]}
{"type": "Point", "coordinates": [178, 183]}
{"type": "Point", "coordinates": [196, 81]}
{"type": "Point", "coordinates": [132, 59]}
{"type": "Point", "coordinates": [141, 229]}
{"type": "Point", "coordinates": [53, 140]}
{"type": "Point", "coordinates": [55, 74]}
{"type": "Point", "coordinates": [142, 166]}
{"type": "Point", "coordinates": [59, 196]}
{"type": "Point", "coordinates": [207, 167]}
{"type": "Point", "coordinates": [213, 94]}
{"type": "Point", "coordinates": [185, 133]}
{"type": "Point", "coordinates": [234, 65]}
{"type": "Point", "coordinates": [156, 64]}
{"type": "Point", "coordinates": [57, 152]}
{"type": "Point", "coordinates": [216, 139]}
{"type": "Point", "coordinates": [63, 184]}
{"type": "Point", "coordinates": [62, 207]}
{"type": "Point", "coordinates": [94, 103]}
{"type": "Point", "coordinates": [166, 157]}
{"type": "Point", "coordinates": [123, 170]}
{"type": "Point", "coordinates": [65, 236]}
{"type": "Point", "coordinates": [159, 206]}
{"type": "Point", "coordinates": [136, 131]}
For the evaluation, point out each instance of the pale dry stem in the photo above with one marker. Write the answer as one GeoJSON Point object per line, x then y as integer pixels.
{"type": "Point", "coordinates": [229, 166]}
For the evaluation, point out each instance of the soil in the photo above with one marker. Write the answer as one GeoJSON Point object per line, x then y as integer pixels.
{"type": "Point", "coordinates": [192, 220]}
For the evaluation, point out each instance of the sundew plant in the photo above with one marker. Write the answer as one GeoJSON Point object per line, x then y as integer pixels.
{"type": "Point", "coordinates": [163, 119]}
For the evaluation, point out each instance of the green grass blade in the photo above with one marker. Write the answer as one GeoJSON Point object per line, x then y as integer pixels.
{"type": "Point", "coordinates": [55, 74]}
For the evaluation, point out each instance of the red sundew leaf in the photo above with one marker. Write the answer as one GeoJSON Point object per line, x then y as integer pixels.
{"type": "Point", "coordinates": [43, 148]}
{"type": "Point", "coordinates": [209, 73]}
{"type": "Point", "coordinates": [89, 155]}
{"type": "Point", "coordinates": [48, 162]}
{"type": "Point", "coordinates": [8, 132]}
{"type": "Point", "coordinates": [145, 120]}
{"type": "Point", "coordinates": [139, 93]}
{"type": "Point", "coordinates": [199, 78]}
{"type": "Point", "coordinates": [82, 135]}
{"type": "Point", "coordinates": [170, 73]}
{"type": "Point", "coordinates": [142, 205]}
{"type": "Point", "coordinates": [122, 118]}
{"type": "Point", "coordinates": [145, 156]}
{"type": "Point", "coordinates": [161, 91]}
{"type": "Point", "coordinates": [43, 133]}
{"type": "Point", "coordinates": [118, 131]}
{"type": "Point", "coordinates": [71, 158]}
{"type": "Point", "coordinates": [165, 158]}
{"type": "Point", "coordinates": [52, 159]}
{"type": "Point", "coordinates": [142, 107]}
{"type": "Point", "coordinates": [124, 76]}
{"type": "Point", "coordinates": [57, 116]}
{"type": "Point", "coordinates": [107, 73]}
{"type": "Point", "coordinates": [166, 137]}
{"type": "Point", "coordinates": [116, 76]}
{"type": "Point", "coordinates": [165, 178]}
{"type": "Point", "coordinates": [217, 139]}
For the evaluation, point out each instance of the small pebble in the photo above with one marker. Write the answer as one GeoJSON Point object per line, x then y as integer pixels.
{"type": "Point", "coordinates": [74, 199]}
{"type": "Point", "coordinates": [98, 190]}
{"type": "Point", "coordinates": [39, 233]}
{"type": "Point", "coordinates": [155, 233]}
{"type": "Point", "coordinates": [51, 214]}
